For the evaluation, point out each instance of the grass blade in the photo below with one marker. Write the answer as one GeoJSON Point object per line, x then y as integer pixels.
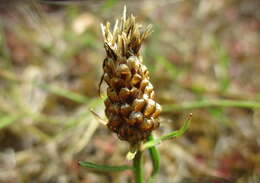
{"type": "Point", "coordinates": [168, 136]}
{"type": "Point", "coordinates": [104, 168]}
{"type": "Point", "coordinates": [7, 120]}
{"type": "Point", "coordinates": [65, 93]}
{"type": "Point", "coordinates": [210, 103]}
{"type": "Point", "coordinates": [155, 156]}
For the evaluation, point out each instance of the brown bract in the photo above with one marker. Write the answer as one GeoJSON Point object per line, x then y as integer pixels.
{"type": "Point", "coordinates": [130, 106]}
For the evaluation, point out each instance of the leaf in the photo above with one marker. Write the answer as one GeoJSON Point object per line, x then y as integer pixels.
{"type": "Point", "coordinates": [104, 168]}
{"type": "Point", "coordinates": [168, 136]}
{"type": "Point", "coordinates": [222, 66]}
{"type": "Point", "coordinates": [211, 103]}
{"type": "Point", "coordinates": [65, 93]}
{"type": "Point", "coordinates": [7, 120]}
{"type": "Point", "coordinates": [155, 156]}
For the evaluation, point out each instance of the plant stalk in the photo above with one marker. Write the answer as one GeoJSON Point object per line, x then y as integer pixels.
{"type": "Point", "coordinates": [138, 167]}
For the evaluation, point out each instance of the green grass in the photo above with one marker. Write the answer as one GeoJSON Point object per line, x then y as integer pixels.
{"type": "Point", "coordinates": [222, 65]}
{"type": "Point", "coordinates": [210, 103]}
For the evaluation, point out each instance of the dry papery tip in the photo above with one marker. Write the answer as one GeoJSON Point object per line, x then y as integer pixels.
{"type": "Point", "coordinates": [102, 121]}
{"type": "Point", "coordinates": [124, 13]}
{"type": "Point", "coordinates": [126, 35]}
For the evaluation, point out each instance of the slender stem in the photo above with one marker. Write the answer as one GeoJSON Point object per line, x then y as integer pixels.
{"type": "Point", "coordinates": [211, 103]}
{"type": "Point", "coordinates": [138, 167]}
{"type": "Point", "coordinates": [155, 156]}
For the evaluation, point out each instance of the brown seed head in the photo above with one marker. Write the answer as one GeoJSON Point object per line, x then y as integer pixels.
{"type": "Point", "coordinates": [130, 107]}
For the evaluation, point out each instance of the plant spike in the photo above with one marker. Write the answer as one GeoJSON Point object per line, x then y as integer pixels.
{"type": "Point", "coordinates": [130, 105]}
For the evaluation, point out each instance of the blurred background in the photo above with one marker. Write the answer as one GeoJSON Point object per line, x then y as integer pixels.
{"type": "Point", "coordinates": [203, 58]}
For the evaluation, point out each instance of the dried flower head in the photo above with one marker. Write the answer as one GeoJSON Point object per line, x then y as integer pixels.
{"type": "Point", "coordinates": [130, 105]}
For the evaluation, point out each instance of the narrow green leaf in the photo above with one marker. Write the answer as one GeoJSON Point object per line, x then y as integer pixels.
{"type": "Point", "coordinates": [7, 120]}
{"type": "Point", "coordinates": [211, 103]}
{"type": "Point", "coordinates": [104, 168]}
{"type": "Point", "coordinates": [168, 136]}
{"type": "Point", "coordinates": [178, 132]}
{"type": "Point", "coordinates": [222, 65]}
{"type": "Point", "coordinates": [155, 156]}
{"type": "Point", "coordinates": [65, 93]}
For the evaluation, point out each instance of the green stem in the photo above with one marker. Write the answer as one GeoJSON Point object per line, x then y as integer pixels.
{"type": "Point", "coordinates": [210, 103]}
{"type": "Point", "coordinates": [138, 167]}
{"type": "Point", "coordinates": [155, 156]}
